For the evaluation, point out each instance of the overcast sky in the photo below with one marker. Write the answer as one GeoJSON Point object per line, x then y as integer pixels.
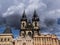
{"type": "Point", "coordinates": [45, 7]}
{"type": "Point", "coordinates": [49, 9]}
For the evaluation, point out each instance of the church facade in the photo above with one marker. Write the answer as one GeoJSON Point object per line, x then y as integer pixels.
{"type": "Point", "coordinates": [29, 34]}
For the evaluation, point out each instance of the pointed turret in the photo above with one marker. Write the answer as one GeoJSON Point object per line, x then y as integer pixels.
{"type": "Point", "coordinates": [7, 30]}
{"type": "Point", "coordinates": [24, 18]}
{"type": "Point", "coordinates": [24, 15]}
{"type": "Point", "coordinates": [35, 16]}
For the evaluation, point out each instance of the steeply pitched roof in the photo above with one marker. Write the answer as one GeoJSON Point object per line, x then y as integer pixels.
{"type": "Point", "coordinates": [35, 16]}
{"type": "Point", "coordinates": [35, 13]}
{"type": "Point", "coordinates": [24, 15]}
{"type": "Point", "coordinates": [7, 30]}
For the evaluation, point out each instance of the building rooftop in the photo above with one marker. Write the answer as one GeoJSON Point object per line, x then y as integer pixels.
{"type": "Point", "coordinates": [7, 30]}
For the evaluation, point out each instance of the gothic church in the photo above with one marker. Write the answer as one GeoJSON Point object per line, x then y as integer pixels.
{"type": "Point", "coordinates": [29, 34]}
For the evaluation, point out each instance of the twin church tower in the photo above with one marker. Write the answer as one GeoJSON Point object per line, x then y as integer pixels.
{"type": "Point", "coordinates": [29, 28]}
{"type": "Point", "coordinates": [29, 34]}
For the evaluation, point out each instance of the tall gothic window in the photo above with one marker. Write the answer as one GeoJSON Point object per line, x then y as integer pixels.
{"type": "Point", "coordinates": [35, 23]}
{"type": "Point", "coordinates": [8, 39]}
{"type": "Point", "coordinates": [29, 33]}
{"type": "Point", "coordinates": [5, 39]}
{"type": "Point", "coordinates": [24, 43]}
{"type": "Point", "coordinates": [23, 24]}
{"type": "Point", "coordinates": [1, 39]}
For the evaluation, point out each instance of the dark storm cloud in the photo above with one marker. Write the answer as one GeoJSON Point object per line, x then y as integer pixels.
{"type": "Point", "coordinates": [49, 25]}
{"type": "Point", "coordinates": [13, 20]}
{"type": "Point", "coordinates": [49, 22]}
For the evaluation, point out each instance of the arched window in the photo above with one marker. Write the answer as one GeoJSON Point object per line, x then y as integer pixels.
{"type": "Point", "coordinates": [29, 33]}
{"type": "Point", "coordinates": [8, 39]}
{"type": "Point", "coordinates": [5, 39]}
{"type": "Point", "coordinates": [35, 23]}
{"type": "Point", "coordinates": [1, 39]}
{"type": "Point", "coordinates": [23, 24]}
{"type": "Point", "coordinates": [24, 43]}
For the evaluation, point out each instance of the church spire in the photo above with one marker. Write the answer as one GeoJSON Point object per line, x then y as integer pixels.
{"type": "Point", "coordinates": [7, 30]}
{"type": "Point", "coordinates": [35, 16]}
{"type": "Point", "coordinates": [24, 18]}
{"type": "Point", "coordinates": [24, 15]}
